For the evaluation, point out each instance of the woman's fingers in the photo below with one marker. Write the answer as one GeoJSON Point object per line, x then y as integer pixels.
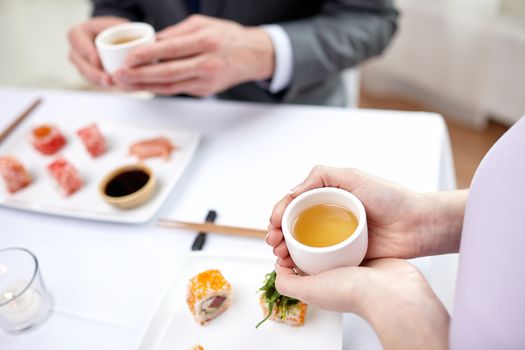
{"type": "Point", "coordinates": [281, 250]}
{"type": "Point", "coordinates": [286, 262]}
{"type": "Point", "coordinates": [278, 210]}
{"type": "Point", "coordinates": [276, 240]}
{"type": "Point", "coordinates": [340, 289]}
{"type": "Point", "coordinates": [275, 236]}
{"type": "Point", "coordinates": [292, 285]}
{"type": "Point", "coordinates": [320, 176]}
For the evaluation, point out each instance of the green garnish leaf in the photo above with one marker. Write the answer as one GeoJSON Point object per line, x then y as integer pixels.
{"type": "Point", "coordinates": [274, 299]}
{"type": "Point", "coordinates": [270, 309]}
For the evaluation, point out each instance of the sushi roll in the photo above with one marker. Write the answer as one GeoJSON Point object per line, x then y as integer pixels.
{"type": "Point", "coordinates": [278, 307]}
{"type": "Point", "coordinates": [14, 174]}
{"type": "Point", "coordinates": [47, 139]}
{"type": "Point", "coordinates": [93, 140]}
{"type": "Point", "coordinates": [292, 315]}
{"type": "Point", "coordinates": [66, 176]}
{"type": "Point", "coordinates": [209, 295]}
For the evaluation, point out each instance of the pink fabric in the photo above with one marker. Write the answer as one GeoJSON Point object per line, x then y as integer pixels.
{"type": "Point", "coordinates": [489, 310]}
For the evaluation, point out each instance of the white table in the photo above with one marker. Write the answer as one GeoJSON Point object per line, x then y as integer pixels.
{"type": "Point", "coordinates": [107, 278]}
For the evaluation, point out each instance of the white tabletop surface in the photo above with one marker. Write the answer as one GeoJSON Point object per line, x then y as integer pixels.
{"type": "Point", "coordinates": [107, 278]}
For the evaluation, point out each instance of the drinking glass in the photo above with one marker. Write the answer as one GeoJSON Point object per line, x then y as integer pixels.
{"type": "Point", "coordinates": [24, 300]}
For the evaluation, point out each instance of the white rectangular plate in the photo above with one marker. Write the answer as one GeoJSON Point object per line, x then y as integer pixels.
{"type": "Point", "coordinates": [172, 326]}
{"type": "Point", "coordinates": [44, 196]}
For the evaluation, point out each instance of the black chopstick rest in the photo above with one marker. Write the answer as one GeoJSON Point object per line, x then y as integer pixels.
{"type": "Point", "coordinates": [200, 240]}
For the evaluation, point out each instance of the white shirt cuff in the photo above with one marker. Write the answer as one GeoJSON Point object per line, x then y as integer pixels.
{"type": "Point", "coordinates": [282, 75]}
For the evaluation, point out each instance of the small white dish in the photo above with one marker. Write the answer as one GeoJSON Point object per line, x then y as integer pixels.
{"type": "Point", "coordinates": [172, 326]}
{"type": "Point", "coordinates": [313, 260]}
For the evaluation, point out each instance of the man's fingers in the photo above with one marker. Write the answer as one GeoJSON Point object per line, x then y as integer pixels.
{"type": "Point", "coordinates": [82, 37]}
{"type": "Point", "coordinates": [170, 49]}
{"type": "Point", "coordinates": [189, 25]}
{"type": "Point", "coordinates": [93, 74]}
{"type": "Point", "coordinates": [98, 24]}
{"type": "Point", "coordinates": [82, 42]}
{"type": "Point", "coordinates": [192, 86]}
{"type": "Point", "coordinates": [160, 73]}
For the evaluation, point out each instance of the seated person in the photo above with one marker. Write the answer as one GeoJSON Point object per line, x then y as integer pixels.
{"type": "Point", "coordinates": [486, 225]}
{"type": "Point", "coordinates": [267, 50]}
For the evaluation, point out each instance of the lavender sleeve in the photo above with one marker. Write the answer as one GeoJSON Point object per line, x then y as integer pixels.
{"type": "Point", "coordinates": [489, 310]}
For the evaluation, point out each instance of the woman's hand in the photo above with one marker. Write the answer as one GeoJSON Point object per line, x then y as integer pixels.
{"type": "Point", "coordinates": [393, 212]}
{"type": "Point", "coordinates": [401, 223]}
{"type": "Point", "coordinates": [391, 294]}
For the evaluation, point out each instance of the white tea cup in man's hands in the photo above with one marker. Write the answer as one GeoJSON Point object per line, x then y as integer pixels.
{"type": "Point", "coordinates": [349, 252]}
{"type": "Point", "coordinates": [115, 43]}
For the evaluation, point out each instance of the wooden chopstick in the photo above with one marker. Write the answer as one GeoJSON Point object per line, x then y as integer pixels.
{"type": "Point", "coordinates": [210, 227]}
{"type": "Point", "coordinates": [21, 117]}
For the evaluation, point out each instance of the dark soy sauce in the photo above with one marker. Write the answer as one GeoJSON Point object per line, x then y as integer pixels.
{"type": "Point", "coordinates": [126, 183]}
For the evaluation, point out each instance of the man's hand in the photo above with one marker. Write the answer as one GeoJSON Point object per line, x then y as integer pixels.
{"type": "Point", "coordinates": [390, 294]}
{"type": "Point", "coordinates": [83, 53]}
{"type": "Point", "coordinates": [200, 56]}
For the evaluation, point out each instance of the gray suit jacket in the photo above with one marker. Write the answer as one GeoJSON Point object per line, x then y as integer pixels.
{"type": "Point", "coordinates": [326, 36]}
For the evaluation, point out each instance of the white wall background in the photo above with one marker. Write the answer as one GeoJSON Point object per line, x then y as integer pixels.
{"type": "Point", "coordinates": [34, 49]}
{"type": "Point", "coordinates": [463, 57]}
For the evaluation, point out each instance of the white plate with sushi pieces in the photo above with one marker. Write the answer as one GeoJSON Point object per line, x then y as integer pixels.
{"type": "Point", "coordinates": [172, 325]}
{"type": "Point", "coordinates": [67, 158]}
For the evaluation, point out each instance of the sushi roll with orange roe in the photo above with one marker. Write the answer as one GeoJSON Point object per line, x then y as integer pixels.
{"type": "Point", "coordinates": [196, 347]}
{"type": "Point", "coordinates": [209, 295]}
{"type": "Point", "coordinates": [47, 139]}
